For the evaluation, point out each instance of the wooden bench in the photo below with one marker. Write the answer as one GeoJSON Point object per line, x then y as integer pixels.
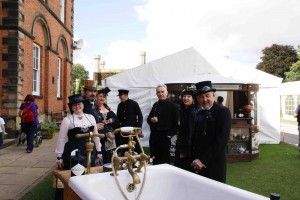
{"type": "Point", "coordinates": [57, 117]}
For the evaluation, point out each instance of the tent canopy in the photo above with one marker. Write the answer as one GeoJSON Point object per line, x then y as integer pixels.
{"type": "Point", "coordinates": [191, 66]}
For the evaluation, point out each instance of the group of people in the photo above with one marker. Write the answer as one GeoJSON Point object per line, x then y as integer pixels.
{"type": "Point", "coordinates": [90, 112]}
{"type": "Point", "coordinates": [202, 127]}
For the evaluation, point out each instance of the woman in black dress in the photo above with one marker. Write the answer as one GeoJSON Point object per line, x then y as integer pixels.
{"type": "Point", "coordinates": [110, 121]}
{"type": "Point", "coordinates": [188, 110]}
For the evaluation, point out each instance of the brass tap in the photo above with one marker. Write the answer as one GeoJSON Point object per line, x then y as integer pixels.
{"type": "Point", "coordinates": [131, 160]}
{"type": "Point", "coordinates": [128, 156]}
{"type": "Point", "coordinates": [89, 147]}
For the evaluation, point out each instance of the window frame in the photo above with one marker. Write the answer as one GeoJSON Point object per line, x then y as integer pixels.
{"type": "Point", "coordinates": [58, 86]}
{"type": "Point", "coordinates": [36, 70]}
{"type": "Point", "coordinates": [62, 10]}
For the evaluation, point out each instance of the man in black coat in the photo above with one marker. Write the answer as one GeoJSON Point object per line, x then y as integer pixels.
{"type": "Point", "coordinates": [129, 114]}
{"type": "Point", "coordinates": [163, 121]}
{"type": "Point", "coordinates": [211, 135]}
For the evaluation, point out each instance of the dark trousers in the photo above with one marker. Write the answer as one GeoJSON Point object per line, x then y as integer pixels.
{"type": "Point", "coordinates": [29, 129]}
{"type": "Point", "coordinates": [1, 140]}
{"type": "Point", "coordinates": [160, 143]}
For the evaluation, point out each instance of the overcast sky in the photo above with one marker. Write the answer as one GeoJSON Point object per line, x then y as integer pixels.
{"type": "Point", "coordinates": [119, 30]}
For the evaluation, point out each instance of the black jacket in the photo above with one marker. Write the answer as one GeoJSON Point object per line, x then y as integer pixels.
{"type": "Point", "coordinates": [167, 114]}
{"type": "Point", "coordinates": [130, 114]}
{"type": "Point", "coordinates": [186, 129]}
{"type": "Point", "coordinates": [210, 140]}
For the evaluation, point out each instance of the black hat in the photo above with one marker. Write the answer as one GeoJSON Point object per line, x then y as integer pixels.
{"type": "Point", "coordinates": [123, 91]}
{"type": "Point", "coordinates": [104, 91]}
{"type": "Point", "coordinates": [90, 85]}
{"type": "Point", "coordinates": [188, 90]}
{"type": "Point", "coordinates": [76, 98]}
{"type": "Point", "coordinates": [204, 87]}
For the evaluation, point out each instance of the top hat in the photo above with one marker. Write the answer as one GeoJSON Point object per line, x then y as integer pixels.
{"type": "Point", "coordinates": [123, 91]}
{"type": "Point", "coordinates": [204, 87]}
{"type": "Point", "coordinates": [188, 90]}
{"type": "Point", "coordinates": [90, 85]}
{"type": "Point", "coordinates": [76, 98]}
{"type": "Point", "coordinates": [104, 91]}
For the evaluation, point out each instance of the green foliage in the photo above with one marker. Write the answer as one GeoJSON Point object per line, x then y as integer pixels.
{"type": "Point", "coordinates": [278, 59]}
{"type": "Point", "coordinates": [294, 73]}
{"type": "Point", "coordinates": [78, 72]}
{"type": "Point", "coordinates": [49, 126]}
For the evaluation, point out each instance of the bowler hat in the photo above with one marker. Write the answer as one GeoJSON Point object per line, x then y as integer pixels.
{"type": "Point", "coordinates": [204, 87]}
{"type": "Point", "coordinates": [104, 91]}
{"type": "Point", "coordinates": [90, 85]}
{"type": "Point", "coordinates": [76, 98]}
{"type": "Point", "coordinates": [123, 91]}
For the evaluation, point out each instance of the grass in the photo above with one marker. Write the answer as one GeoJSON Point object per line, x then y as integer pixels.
{"type": "Point", "coordinates": [276, 170]}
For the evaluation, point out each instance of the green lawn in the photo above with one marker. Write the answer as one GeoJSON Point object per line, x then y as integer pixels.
{"type": "Point", "coordinates": [276, 170]}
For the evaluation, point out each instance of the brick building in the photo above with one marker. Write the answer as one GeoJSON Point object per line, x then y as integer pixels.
{"type": "Point", "coordinates": [36, 38]}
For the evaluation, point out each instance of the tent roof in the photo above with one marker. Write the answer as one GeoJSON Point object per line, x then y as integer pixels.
{"type": "Point", "coordinates": [288, 88]}
{"type": "Point", "coordinates": [191, 66]}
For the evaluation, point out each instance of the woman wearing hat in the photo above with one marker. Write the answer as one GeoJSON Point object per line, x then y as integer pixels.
{"type": "Point", "coordinates": [76, 123]}
{"type": "Point", "coordinates": [188, 110]}
{"type": "Point", "coordinates": [110, 121]}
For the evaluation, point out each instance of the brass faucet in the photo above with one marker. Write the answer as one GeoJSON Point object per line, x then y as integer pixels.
{"type": "Point", "coordinates": [89, 147]}
{"type": "Point", "coordinates": [129, 158]}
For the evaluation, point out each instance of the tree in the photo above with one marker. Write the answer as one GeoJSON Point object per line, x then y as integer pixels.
{"type": "Point", "coordinates": [294, 73]}
{"type": "Point", "coordinates": [78, 72]}
{"type": "Point", "coordinates": [278, 59]}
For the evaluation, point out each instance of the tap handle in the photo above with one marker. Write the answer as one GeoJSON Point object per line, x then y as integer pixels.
{"type": "Point", "coordinates": [150, 160]}
{"type": "Point", "coordinates": [90, 134]}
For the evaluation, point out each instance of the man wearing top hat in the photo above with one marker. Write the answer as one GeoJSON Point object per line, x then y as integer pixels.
{"type": "Point", "coordinates": [129, 114]}
{"type": "Point", "coordinates": [212, 129]}
{"type": "Point", "coordinates": [90, 107]}
{"type": "Point", "coordinates": [89, 95]}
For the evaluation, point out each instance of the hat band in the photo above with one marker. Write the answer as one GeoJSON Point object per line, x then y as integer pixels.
{"type": "Point", "coordinates": [206, 89]}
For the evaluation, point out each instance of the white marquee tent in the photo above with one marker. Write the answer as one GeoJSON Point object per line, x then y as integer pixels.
{"type": "Point", "coordinates": [191, 66]}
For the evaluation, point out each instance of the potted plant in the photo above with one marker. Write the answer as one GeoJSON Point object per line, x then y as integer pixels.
{"type": "Point", "coordinates": [48, 129]}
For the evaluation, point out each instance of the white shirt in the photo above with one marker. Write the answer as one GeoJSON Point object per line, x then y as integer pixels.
{"type": "Point", "coordinates": [70, 122]}
{"type": "Point", "coordinates": [1, 123]}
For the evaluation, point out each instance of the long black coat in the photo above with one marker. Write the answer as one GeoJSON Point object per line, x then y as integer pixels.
{"type": "Point", "coordinates": [210, 140]}
{"type": "Point", "coordinates": [186, 130]}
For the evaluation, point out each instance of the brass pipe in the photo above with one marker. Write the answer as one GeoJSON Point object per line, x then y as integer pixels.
{"type": "Point", "coordinates": [89, 146]}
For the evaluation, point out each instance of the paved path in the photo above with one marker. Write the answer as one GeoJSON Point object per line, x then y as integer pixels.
{"type": "Point", "coordinates": [20, 171]}
{"type": "Point", "coordinates": [289, 133]}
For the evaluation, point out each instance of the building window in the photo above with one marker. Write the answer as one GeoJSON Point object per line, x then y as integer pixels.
{"type": "Point", "coordinates": [298, 100]}
{"type": "Point", "coordinates": [62, 10]}
{"type": "Point", "coordinates": [36, 70]}
{"type": "Point", "coordinates": [58, 77]}
{"type": "Point", "coordinates": [289, 105]}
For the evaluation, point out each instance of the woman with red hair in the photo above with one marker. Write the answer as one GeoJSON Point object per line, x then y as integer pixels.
{"type": "Point", "coordinates": [29, 128]}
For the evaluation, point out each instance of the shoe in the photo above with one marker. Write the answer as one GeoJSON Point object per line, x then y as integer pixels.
{"type": "Point", "coordinates": [28, 151]}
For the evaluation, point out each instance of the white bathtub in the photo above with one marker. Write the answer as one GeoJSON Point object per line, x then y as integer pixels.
{"type": "Point", "coordinates": [163, 182]}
